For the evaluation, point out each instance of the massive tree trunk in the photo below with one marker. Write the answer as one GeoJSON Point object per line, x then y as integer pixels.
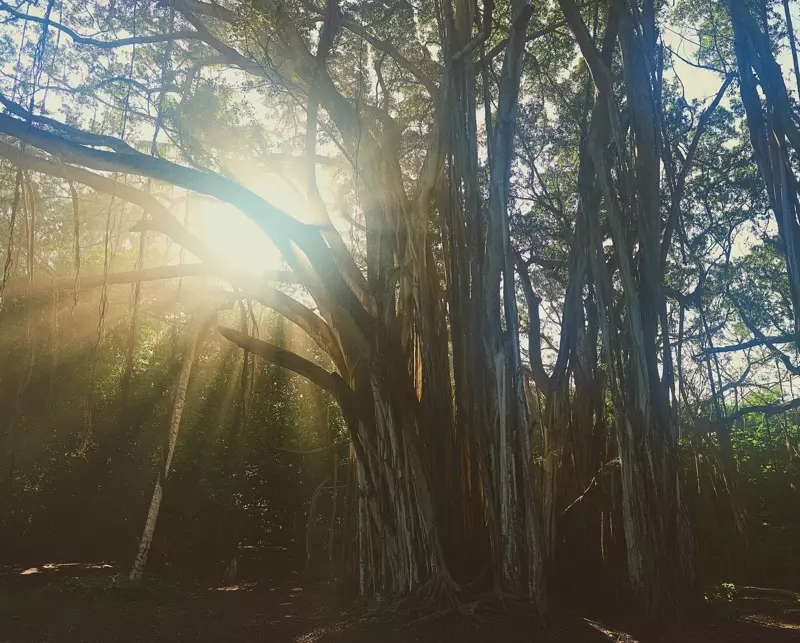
{"type": "Point", "coordinates": [489, 384]}
{"type": "Point", "coordinates": [658, 541]}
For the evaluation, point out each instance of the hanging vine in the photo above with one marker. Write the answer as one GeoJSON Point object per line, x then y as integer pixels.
{"type": "Point", "coordinates": [10, 245]}
{"type": "Point", "coordinates": [76, 245]}
{"type": "Point", "coordinates": [103, 305]}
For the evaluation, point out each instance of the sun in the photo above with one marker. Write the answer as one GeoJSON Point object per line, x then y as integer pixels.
{"type": "Point", "coordinates": [235, 237]}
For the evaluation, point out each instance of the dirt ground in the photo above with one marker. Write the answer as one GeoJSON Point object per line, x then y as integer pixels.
{"type": "Point", "coordinates": [80, 603]}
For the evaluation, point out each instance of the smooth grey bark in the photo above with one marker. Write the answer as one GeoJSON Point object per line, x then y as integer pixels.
{"type": "Point", "coordinates": [172, 439]}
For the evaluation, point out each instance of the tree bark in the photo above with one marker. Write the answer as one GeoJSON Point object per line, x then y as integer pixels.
{"type": "Point", "coordinates": [172, 439]}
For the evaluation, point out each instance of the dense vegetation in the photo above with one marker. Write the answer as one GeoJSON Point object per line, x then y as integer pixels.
{"type": "Point", "coordinates": [422, 297]}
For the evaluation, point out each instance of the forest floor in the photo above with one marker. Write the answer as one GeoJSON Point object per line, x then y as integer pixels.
{"type": "Point", "coordinates": [83, 603]}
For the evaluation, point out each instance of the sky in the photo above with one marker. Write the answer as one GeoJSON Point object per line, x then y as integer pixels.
{"type": "Point", "coordinates": [701, 83]}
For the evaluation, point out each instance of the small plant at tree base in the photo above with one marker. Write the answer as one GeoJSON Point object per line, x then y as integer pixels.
{"type": "Point", "coordinates": [722, 596]}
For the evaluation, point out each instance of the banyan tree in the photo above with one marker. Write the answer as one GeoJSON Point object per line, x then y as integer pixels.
{"type": "Point", "coordinates": [469, 446]}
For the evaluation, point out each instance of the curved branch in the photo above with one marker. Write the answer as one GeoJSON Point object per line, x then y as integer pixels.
{"type": "Point", "coordinates": [275, 221]}
{"type": "Point", "coordinates": [102, 44]}
{"type": "Point", "coordinates": [331, 382]}
{"type": "Point", "coordinates": [205, 9]}
{"type": "Point", "coordinates": [312, 324]}
{"type": "Point", "coordinates": [758, 341]}
{"type": "Point", "coordinates": [254, 288]}
{"type": "Point", "coordinates": [93, 281]}
{"type": "Point", "coordinates": [392, 51]}
{"type": "Point", "coordinates": [766, 409]}
{"type": "Point", "coordinates": [162, 218]}
{"type": "Point", "coordinates": [294, 311]}
{"type": "Point", "coordinates": [229, 53]}
{"type": "Point", "coordinates": [77, 135]}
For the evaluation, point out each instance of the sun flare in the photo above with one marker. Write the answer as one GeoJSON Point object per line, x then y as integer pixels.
{"type": "Point", "coordinates": [237, 238]}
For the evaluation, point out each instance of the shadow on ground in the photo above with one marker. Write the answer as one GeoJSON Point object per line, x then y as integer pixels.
{"type": "Point", "coordinates": [87, 604]}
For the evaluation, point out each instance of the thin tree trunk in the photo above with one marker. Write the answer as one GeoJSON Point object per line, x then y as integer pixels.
{"type": "Point", "coordinates": [331, 530]}
{"type": "Point", "coordinates": [312, 510]}
{"type": "Point", "coordinates": [172, 439]}
{"type": "Point", "coordinates": [239, 442]}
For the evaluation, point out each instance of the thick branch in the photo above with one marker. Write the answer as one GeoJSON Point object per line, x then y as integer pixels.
{"type": "Point", "coordinates": [600, 71]}
{"type": "Point", "coordinates": [388, 48]}
{"type": "Point", "coordinates": [264, 213]}
{"type": "Point", "coordinates": [331, 382]}
{"type": "Point", "coordinates": [758, 341]}
{"type": "Point", "coordinates": [93, 281]}
{"type": "Point", "coordinates": [162, 221]}
{"type": "Point", "coordinates": [75, 134]}
{"type": "Point", "coordinates": [255, 288]}
{"type": "Point", "coordinates": [229, 53]}
{"type": "Point", "coordinates": [312, 324]}
{"type": "Point", "coordinates": [766, 409]}
{"type": "Point", "coordinates": [205, 9]}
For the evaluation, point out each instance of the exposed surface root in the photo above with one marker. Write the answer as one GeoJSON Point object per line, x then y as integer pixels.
{"type": "Point", "coordinates": [481, 610]}
{"type": "Point", "coordinates": [441, 591]}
